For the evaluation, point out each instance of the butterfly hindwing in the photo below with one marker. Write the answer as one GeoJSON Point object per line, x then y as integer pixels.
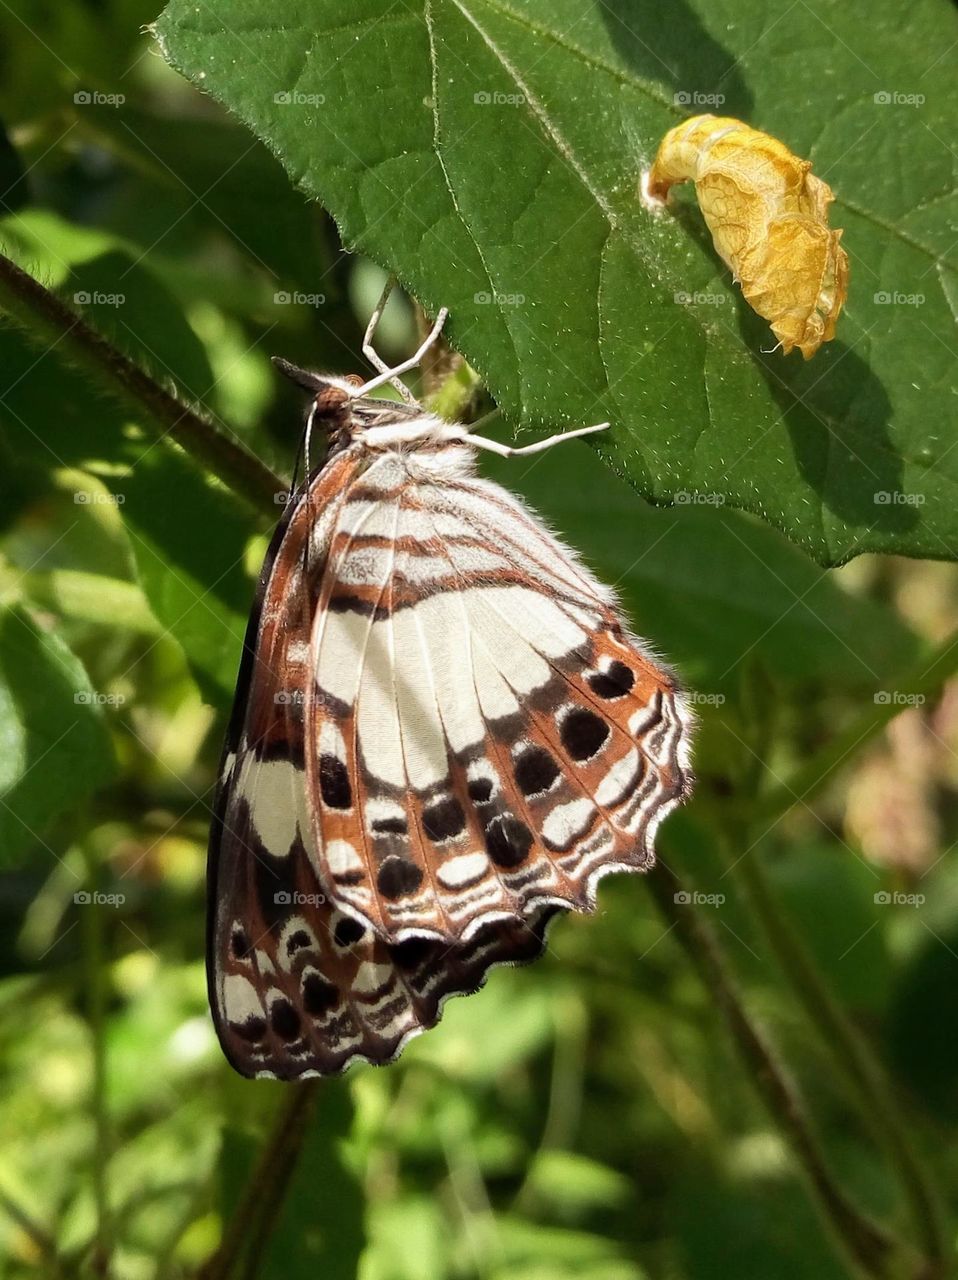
{"type": "Point", "coordinates": [490, 740]}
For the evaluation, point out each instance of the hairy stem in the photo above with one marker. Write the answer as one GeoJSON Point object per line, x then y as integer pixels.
{"type": "Point", "coordinates": [50, 323]}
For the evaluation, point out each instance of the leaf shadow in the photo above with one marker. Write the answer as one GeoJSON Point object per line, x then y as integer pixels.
{"type": "Point", "coordinates": [835, 408]}
{"type": "Point", "coordinates": [838, 422]}
{"type": "Point", "coordinates": [672, 46]}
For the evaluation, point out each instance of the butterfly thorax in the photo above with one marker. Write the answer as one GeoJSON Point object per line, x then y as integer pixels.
{"type": "Point", "coordinates": [367, 424]}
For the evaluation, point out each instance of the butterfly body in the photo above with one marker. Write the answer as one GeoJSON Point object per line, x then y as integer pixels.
{"type": "Point", "coordinates": [443, 735]}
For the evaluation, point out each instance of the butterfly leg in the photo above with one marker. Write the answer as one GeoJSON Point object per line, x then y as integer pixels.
{"type": "Point", "coordinates": [537, 446]}
{"type": "Point", "coordinates": [392, 375]}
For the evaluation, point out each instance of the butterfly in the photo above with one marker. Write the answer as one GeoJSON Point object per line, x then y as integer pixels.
{"type": "Point", "coordinates": [443, 735]}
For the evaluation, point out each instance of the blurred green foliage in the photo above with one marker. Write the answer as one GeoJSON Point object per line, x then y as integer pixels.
{"type": "Point", "coordinates": [586, 1117]}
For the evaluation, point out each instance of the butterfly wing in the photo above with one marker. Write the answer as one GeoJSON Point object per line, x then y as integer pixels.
{"type": "Point", "coordinates": [491, 740]}
{"type": "Point", "coordinates": [297, 987]}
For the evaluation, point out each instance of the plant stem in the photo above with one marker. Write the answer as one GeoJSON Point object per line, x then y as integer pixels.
{"type": "Point", "coordinates": [873, 1250]}
{"type": "Point", "coordinates": [880, 1110]}
{"type": "Point", "coordinates": [255, 1215]}
{"type": "Point", "coordinates": [49, 322]}
{"type": "Point", "coordinates": [93, 964]}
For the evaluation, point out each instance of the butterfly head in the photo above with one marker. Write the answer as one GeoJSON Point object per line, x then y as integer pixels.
{"type": "Point", "coordinates": [337, 410]}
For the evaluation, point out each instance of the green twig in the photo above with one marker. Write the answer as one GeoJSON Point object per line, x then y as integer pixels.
{"type": "Point", "coordinates": [874, 1252]}
{"type": "Point", "coordinates": [49, 322]}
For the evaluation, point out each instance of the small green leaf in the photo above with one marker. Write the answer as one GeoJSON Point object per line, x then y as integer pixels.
{"type": "Point", "coordinates": [570, 1183]}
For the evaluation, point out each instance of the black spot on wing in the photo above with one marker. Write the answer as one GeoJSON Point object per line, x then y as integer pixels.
{"type": "Point", "coordinates": [508, 840]}
{"type": "Point", "coordinates": [334, 783]}
{"type": "Point", "coordinates": [284, 1020]}
{"type": "Point", "coordinates": [252, 1030]}
{"type": "Point", "coordinates": [297, 941]}
{"type": "Point", "coordinates": [273, 887]}
{"type": "Point", "coordinates": [583, 733]}
{"type": "Point", "coordinates": [614, 682]}
{"type": "Point", "coordinates": [348, 931]}
{"type": "Point", "coordinates": [319, 996]}
{"type": "Point", "coordinates": [480, 790]}
{"type": "Point", "coordinates": [411, 953]}
{"type": "Point", "coordinates": [288, 750]}
{"type": "Point", "coordinates": [398, 877]}
{"type": "Point", "coordinates": [390, 827]}
{"type": "Point", "coordinates": [240, 944]}
{"type": "Point", "coordinates": [535, 771]}
{"type": "Point", "coordinates": [444, 819]}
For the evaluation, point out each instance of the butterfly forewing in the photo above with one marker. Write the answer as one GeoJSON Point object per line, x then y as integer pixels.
{"type": "Point", "coordinates": [442, 735]}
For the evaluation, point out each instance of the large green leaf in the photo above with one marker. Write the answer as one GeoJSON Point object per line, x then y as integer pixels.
{"type": "Point", "coordinates": [54, 746]}
{"type": "Point", "coordinates": [490, 153]}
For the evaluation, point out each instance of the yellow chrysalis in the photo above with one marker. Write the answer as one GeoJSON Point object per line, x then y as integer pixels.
{"type": "Point", "coordinates": [768, 215]}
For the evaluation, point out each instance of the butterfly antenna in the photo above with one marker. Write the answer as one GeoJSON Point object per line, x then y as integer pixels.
{"type": "Point", "coordinates": [392, 375]}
